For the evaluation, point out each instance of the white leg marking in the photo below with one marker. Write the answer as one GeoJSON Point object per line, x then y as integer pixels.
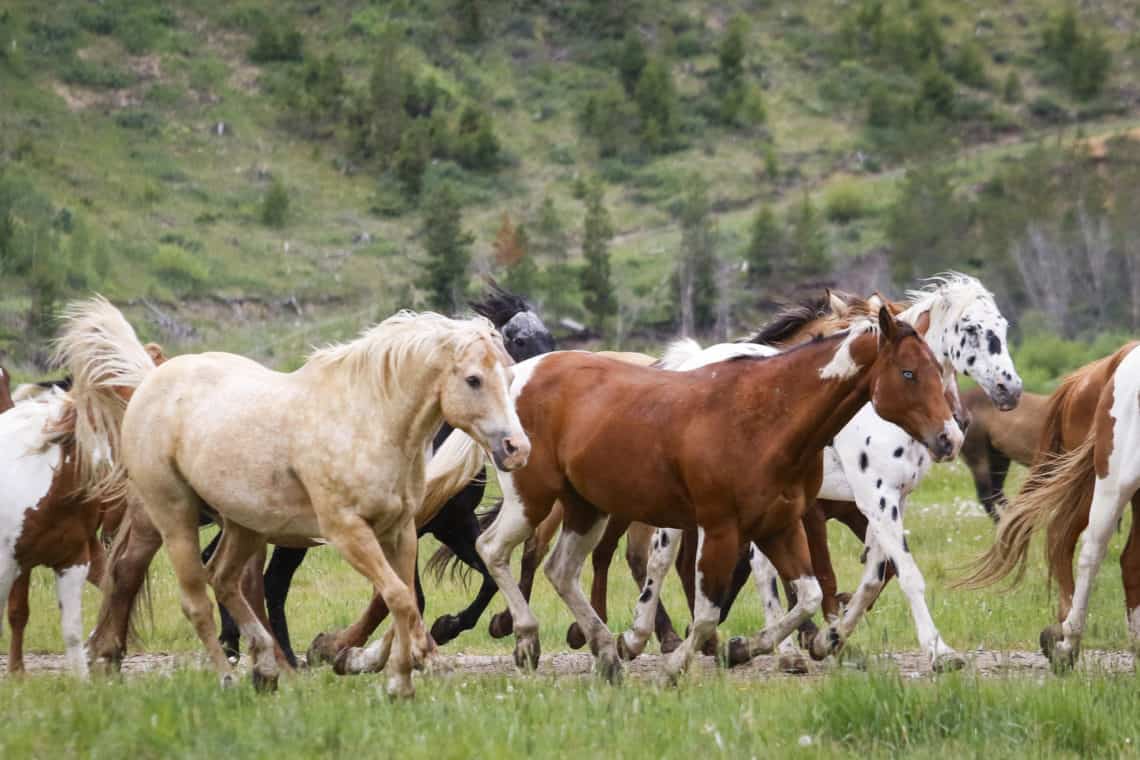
{"type": "Point", "coordinates": [663, 553]}
{"type": "Point", "coordinates": [69, 588]}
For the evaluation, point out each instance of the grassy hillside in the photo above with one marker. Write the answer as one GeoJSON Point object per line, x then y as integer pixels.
{"type": "Point", "coordinates": [156, 129]}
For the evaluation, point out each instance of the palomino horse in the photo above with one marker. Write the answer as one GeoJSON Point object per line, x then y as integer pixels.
{"type": "Point", "coordinates": [734, 450]}
{"type": "Point", "coordinates": [996, 438]}
{"type": "Point", "coordinates": [1087, 468]}
{"type": "Point", "coordinates": [52, 449]}
{"type": "Point", "coordinates": [336, 450]}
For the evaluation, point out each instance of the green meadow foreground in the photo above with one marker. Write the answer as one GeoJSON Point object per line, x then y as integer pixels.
{"type": "Point", "coordinates": [488, 710]}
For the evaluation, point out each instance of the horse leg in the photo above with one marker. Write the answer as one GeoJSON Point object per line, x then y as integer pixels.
{"type": "Point", "coordinates": [767, 580]}
{"type": "Point", "coordinates": [328, 645]}
{"type": "Point", "coordinates": [136, 543]}
{"type": "Point", "coordinates": [718, 546]}
{"type": "Point", "coordinates": [535, 550]}
{"type": "Point", "coordinates": [665, 546]}
{"type": "Point", "coordinates": [460, 535]}
{"type": "Point", "coordinates": [97, 553]}
{"type": "Point", "coordinates": [601, 558]}
{"type": "Point", "coordinates": [638, 545]}
{"type": "Point", "coordinates": [253, 589]}
{"type": "Point", "coordinates": [69, 583]}
{"type": "Point", "coordinates": [359, 545]}
{"type": "Point", "coordinates": [230, 638]}
{"type": "Point", "coordinates": [788, 552]}
{"type": "Point", "coordinates": [283, 564]}
{"type": "Point", "coordinates": [582, 529]}
{"type": "Point", "coordinates": [815, 526]}
{"type": "Point", "coordinates": [1130, 576]}
{"type": "Point", "coordinates": [999, 469]}
{"type": "Point", "coordinates": [231, 560]}
{"type": "Point", "coordinates": [495, 545]}
{"type": "Point", "coordinates": [18, 621]}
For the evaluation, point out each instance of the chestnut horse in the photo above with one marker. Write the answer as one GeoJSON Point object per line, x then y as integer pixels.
{"type": "Point", "coordinates": [996, 438]}
{"type": "Point", "coordinates": [336, 450]}
{"type": "Point", "coordinates": [1086, 470]}
{"type": "Point", "coordinates": [50, 449]}
{"type": "Point", "coordinates": [733, 450]}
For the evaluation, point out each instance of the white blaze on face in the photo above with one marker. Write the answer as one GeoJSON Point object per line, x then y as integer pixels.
{"type": "Point", "coordinates": [27, 469]}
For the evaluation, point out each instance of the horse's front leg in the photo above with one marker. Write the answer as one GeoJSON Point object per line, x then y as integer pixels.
{"type": "Point", "coordinates": [69, 588]}
{"type": "Point", "coordinates": [663, 551]}
{"type": "Point", "coordinates": [495, 545]}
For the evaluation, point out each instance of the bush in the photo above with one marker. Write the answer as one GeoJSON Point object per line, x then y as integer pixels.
{"type": "Point", "coordinates": [1011, 92]}
{"type": "Point", "coordinates": [98, 76]}
{"type": "Point", "coordinates": [1083, 59]}
{"type": "Point", "coordinates": [179, 269]}
{"type": "Point", "coordinates": [969, 66]}
{"type": "Point", "coordinates": [277, 45]}
{"type": "Point", "coordinates": [1045, 109]}
{"type": "Point", "coordinates": [275, 205]}
{"type": "Point", "coordinates": [844, 201]}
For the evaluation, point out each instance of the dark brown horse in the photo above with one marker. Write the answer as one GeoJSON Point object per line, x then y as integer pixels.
{"type": "Point", "coordinates": [733, 450]}
{"type": "Point", "coordinates": [1086, 469]}
{"type": "Point", "coordinates": [996, 438]}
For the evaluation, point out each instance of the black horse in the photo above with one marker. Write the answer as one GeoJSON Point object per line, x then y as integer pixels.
{"type": "Point", "coordinates": [456, 525]}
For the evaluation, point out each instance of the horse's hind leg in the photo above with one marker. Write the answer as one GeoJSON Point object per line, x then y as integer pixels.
{"type": "Point", "coordinates": [600, 558]}
{"type": "Point", "coordinates": [69, 583]}
{"type": "Point", "coordinates": [460, 533]}
{"type": "Point", "coordinates": [230, 561]}
{"type": "Point", "coordinates": [665, 546]}
{"type": "Point", "coordinates": [18, 621]}
{"type": "Point", "coordinates": [283, 565]}
{"type": "Point", "coordinates": [1130, 576]}
{"type": "Point", "coordinates": [638, 548]}
{"type": "Point", "coordinates": [582, 529]}
{"type": "Point", "coordinates": [767, 580]}
{"type": "Point", "coordinates": [230, 637]}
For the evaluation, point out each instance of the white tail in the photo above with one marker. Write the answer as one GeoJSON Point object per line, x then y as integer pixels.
{"type": "Point", "coordinates": [455, 464]}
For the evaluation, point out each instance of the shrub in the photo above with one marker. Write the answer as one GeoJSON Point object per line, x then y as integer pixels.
{"type": "Point", "coordinates": [969, 66]}
{"type": "Point", "coordinates": [1083, 58]}
{"type": "Point", "coordinates": [275, 205]}
{"type": "Point", "coordinates": [844, 201]}
{"type": "Point", "coordinates": [1011, 92]}
{"type": "Point", "coordinates": [1048, 110]}
{"type": "Point", "coordinates": [99, 76]}
{"type": "Point", "coordinates": [272, 45]}
{"type": "Point", "coordinates": [179, 269]}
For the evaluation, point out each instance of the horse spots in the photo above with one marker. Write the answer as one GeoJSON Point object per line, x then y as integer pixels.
{"type": "Point", "coordinates": [993, 342]}
{"type": "Point", "coordinates": [970, 360]}
{"type": "Point", "coordinates": [906, 547]}
{"type": "Point", "coordinates": [898, 452]}
{"type": "Point", "coordinates": [864, 462]}
{"type": "Point", "coordinates": [894, 513]}
{"type": "Point", "coordinates": [751, 551]}
{"type": "Point", "coordinates": [921, 460]}
{"type": "Point", "coordinates": [664, 540]}
{"type": "Point", "coordinates": [648, 581]}
{"type": "Point", "coordinates": [881, 570]}
{"type": "Point", "coordinates": [646, 595]}
{"type": "Point", "coordinates": [775, 588]}
{"type": "Point", "coordinates": [962, 343]}
{"type": "Point", "coordinates": [879, 483]}
{"type": "Point", "coordinates": [868, 440]}
{"type": "Point", "coordinates": [882, 502]}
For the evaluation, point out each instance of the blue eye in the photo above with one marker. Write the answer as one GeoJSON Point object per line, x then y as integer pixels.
{"type": "Point", "coordinates": [907, 374]}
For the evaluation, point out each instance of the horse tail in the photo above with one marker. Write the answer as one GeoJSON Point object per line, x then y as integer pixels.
{"type": "Point", "coordinates": [142, 600]}
{"type": "Point", "coordinates": [678, 352]}
{"type": "Point", "coordinates": [455, 464]}
{"type": "Point", "coordinates": [443, 558]}
{"type": "Point", "coordinates": [1057, 495]}
{"type": "Point", "coordinates": [107, 361]}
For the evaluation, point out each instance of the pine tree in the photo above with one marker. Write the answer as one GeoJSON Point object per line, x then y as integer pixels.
{"type": "Point", "coordinates": [766, 246]}
{"type": "Point", "coordinates": [597, 287]}
{"type": "Point", "coordinates": [696, 265]}
{"type": "Point", "coordinates": [275, 205]}
{"type": "Point", "coordinates": [656, 98]}
{"type": "Point", "coordinates": [448, 250]}
{"type": "Point", "coordinates": [523, 275]}
{"type": "Point", "coordinates": [631, 60]}
{"type": "Point", "coordinates": [808, 252]}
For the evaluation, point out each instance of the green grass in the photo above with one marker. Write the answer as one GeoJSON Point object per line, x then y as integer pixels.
{"type": "Point", "coordinates": [461, 715]}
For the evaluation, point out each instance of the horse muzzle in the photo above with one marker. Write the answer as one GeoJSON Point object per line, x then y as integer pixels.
{"type": "Point", "coordinates": [1006, 396]}
{"type": "Point", "coordinates": [946, 443]}
{"type": "Point", "coordinates": [510, 452]}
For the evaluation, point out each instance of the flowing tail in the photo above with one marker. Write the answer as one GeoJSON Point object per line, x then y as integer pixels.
{"type": "Point", "coordinates": [455, 464]}
{"type": "Point", "coordinates": [443, 558]}
{"type": "Point", "coordinates": [1056, 495]}
{"type": "Point", "coordinates": [106, 360]}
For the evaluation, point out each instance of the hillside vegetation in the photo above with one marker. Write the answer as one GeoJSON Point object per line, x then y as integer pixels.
{"type": "Point", "coordinates": [260, 176]}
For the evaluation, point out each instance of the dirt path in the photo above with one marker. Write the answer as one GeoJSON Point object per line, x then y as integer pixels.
{"type": "Point", "coordinates": [911, 664]}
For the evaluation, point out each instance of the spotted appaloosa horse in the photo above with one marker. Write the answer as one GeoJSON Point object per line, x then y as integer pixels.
{"type": "Point", "coordinates": [996, 438]}
{"type": "Point", "coordinates": [51, 449]}
{"type": "Point", "coordinates": [734, 450]}
{"type": "Point", "coordinates": [1086, 470]}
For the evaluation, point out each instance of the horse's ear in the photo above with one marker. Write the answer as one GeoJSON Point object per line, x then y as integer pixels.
{"type": "Point", "coordinates": [922, 324]}
{"type": "Point", "coordinates": [888, 330]}
{"type": "Point", "coordinates": [839, 307]}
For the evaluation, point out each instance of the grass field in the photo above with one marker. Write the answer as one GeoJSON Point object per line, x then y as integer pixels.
{"type": "Point", "coordinates": [841, 712]}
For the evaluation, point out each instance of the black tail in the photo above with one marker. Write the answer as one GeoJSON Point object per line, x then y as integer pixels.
{"type": "Point", "coordinates": [444, 557]}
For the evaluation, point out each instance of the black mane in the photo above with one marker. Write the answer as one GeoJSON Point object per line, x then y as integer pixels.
{"type": "Point", "coordinates": [64, 383]}
{"type": "Point", "coordinates": [789, 320]}
{"type": "Point", "coordinates": [500, 304]}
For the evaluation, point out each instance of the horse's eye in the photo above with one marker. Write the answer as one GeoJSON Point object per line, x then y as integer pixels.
{"type": "Point", "coordinates": [907, 374]}
{"type": "Point", "coordinates": [474, 381]}
{"type": "Point", "coordinates": [519, 341]}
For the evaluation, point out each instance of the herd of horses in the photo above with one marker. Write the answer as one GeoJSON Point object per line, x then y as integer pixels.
{"type": "Point", "coordinates": [725, 462]}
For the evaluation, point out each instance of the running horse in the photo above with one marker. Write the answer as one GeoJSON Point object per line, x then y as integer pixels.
{"type": "Point", "coordinates": [1086, 470]}
{"type": "Point", "coordinates": [733, 450]}
{"type": "Point", "coordinates": [335, 450]}
{"type": "Point", "coordinates": [53, 447]}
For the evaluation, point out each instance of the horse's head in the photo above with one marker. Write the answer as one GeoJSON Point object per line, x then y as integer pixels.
{"type": "Point", "coordinates": [476, 399]}
{"type": "Point", "coordinates": [5, 391]}
{"type": "Point", "coordinates": [907, 388]}
{"type": "Point", "coordinates": [979, 349]}
{"type": "Point", "coordinates": [523, 331]}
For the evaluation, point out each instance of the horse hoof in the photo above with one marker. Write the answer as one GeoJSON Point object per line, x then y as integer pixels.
{"type": "Point", "coordinates": [228, 681]}
{"type": "Point", "coordinates": [806, 634]}
{"type": "Point", "coordinates": [1062, 655]}
{"type": "Point", "coordinates": [710, 646]}
{"type": "Point", "coordinates": [794, 664]}
{"type": "Point", "coordinates": [1049, 638]}
{"type": "Point", "coordinates": [737, 652]}
{"type": "Point", "coordinates": [264, 684]}
{"type": "Point", "coordinates": [340, 662]}
{"type": "Point", "coordinates": [574, 636]}
{"type": "Point", "coordinates": [948, 662]}
{"type": "Point", "coordinates": [608, 666]}
{"type": "Point", "coordinates": [670, 642]}
{"type": "Point", "coordinates": [501, 626]}
{"type": "Point", "coordinates": [323, 650]}
{"type": "Point", "coordinates": [400, 688]}
{"type": "Point", "coordinates": [825, 643]}
{"type": "Point", "coordinates": [446, 628]}
{"type": "Point", "coordinates": [527, 653]}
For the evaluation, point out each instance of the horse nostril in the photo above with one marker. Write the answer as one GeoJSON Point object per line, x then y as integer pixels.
{"type": "Point", "coordinates": [1003, 389]}
{"type": "Point", "coordinates": [509, 446]}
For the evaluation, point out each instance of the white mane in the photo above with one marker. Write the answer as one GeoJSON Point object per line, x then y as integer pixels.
{"type": "Point", "coordinates": [382, 356]}
{"type": "Point", "coordinates": [949, 294]}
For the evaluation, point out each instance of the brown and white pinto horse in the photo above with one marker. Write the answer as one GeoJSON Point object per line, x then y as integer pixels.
{"type": "Point", "coordinates": [50, 451]}
{"type": "Point", "coordinates": [733, 450]}
{"type": "Point", "coordinates": [1087, 469]}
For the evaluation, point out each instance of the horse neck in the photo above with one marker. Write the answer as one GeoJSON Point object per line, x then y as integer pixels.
{"type": "Point", "coordinates": [821, 407]}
